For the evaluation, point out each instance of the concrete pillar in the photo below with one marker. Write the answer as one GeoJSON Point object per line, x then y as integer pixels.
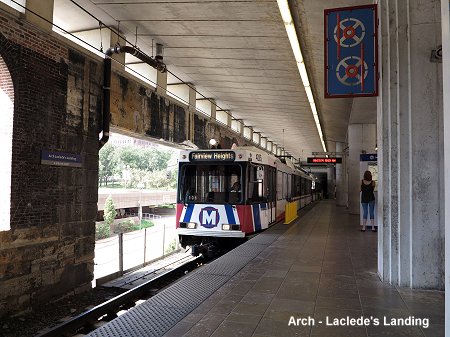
{"type": "Point", "coordinates": [161, 82]}
{"type": "Point", "coordinates": [410, 146]}
{"type": "Point", "coordinates": [331, 182]}
{"type": "Point", "coordinates": [361, 139]}
{"type": "Point", "coordinates": [43, 8]}
{"type": "Point", "coordinates": [445, 14]}
{"type": "Point", "coordinates": [191, 112]}
{"type": "Point", "coordinates": [229, 119]}
{"type": "Point", "coordinates": [341, 186]}
{"type": "Point", "coordinates": [213, 112]}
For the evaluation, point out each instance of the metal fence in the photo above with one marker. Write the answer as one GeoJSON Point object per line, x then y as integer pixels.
{"type": "Point", "coordinates": [127, 251]}
{"type": "Point", "coordinates": [147, 216]}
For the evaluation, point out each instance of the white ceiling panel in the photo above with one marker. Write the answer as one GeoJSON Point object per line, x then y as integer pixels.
{"type": "Point", "coordinates": [238, 53]}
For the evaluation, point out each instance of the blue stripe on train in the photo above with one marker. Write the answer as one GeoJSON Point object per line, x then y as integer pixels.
{"type": "Point", "coordinates": [230, 214]}
{"type": "Point", "coordinates": [256, 217]}
{"type": "Point", "coordinates": [188, 214]}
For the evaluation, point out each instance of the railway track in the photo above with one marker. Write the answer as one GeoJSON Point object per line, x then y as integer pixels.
{"type": "Point", "coordinates": [95, 317]}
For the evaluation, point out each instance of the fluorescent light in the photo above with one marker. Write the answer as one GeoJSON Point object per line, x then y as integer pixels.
{"type": "Point", "coordinates": [309, 94]}
{"type": "Point", "coordinates": [303, 73]}
{"type": "Point", "coordinates": [292, 35]}
{"type": "Point", "coordinates": [284, 10]}
{"type": "Point", "coordinates": [316, 119]}
{"type": "Point", "coordinates": [295, 45]}
{"type": "Point", "coordinates": [313, 108]}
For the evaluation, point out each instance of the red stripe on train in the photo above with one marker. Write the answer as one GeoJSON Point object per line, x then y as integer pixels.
{"type": "Point", "coordinates": [179, 211]}
{"type": "Point", "coordinates": [245, 218]}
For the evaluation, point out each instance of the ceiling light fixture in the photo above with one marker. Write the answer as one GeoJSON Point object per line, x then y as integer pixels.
{"type": "Point", "coordinates": [293, 39]}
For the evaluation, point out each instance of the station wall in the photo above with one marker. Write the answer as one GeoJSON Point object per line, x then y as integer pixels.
{"type": "Point", "coordinates": [48, 251]}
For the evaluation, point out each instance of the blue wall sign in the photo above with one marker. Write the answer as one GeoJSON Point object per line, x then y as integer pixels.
{"type": "Point", "coordinates": [368, 157]}
{"type": "Point", "coordinates": [351, 52]}
{"type": "Point", "coordinates": [60, 159]}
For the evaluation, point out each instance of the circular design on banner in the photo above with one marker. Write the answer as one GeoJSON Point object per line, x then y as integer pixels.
{"type": "Point", "coordinates": [348, 71]}
{"type": "Point", "coordinates": [351, 71]}
{"type": "Point", "coordinates": [349, 32]}
{"type": "Point", "coordinates": [352, 32]}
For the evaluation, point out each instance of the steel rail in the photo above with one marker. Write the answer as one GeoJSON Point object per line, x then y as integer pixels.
{"type": "Point", "coordinates": [112, 306]}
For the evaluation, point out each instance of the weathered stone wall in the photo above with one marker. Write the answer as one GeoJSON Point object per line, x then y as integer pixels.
{"type": "Point", "coordinates": [138, 109]}
{"type": "Point", "coordinates": [49, 248]}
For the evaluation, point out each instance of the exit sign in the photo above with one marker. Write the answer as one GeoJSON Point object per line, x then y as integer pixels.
{"type": "Point", "coordinates": [324, 160]}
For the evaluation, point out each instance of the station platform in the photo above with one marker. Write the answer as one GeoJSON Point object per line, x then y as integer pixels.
{"type": "Point", "coordinates": [291, 280]}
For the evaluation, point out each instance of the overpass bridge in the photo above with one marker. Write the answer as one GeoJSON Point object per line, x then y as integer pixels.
{"type": "Point", "coordinates": [129, 198]}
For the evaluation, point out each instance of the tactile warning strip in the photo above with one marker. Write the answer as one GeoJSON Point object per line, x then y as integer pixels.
{"type": "Point", "coordinates": [158, 314]}
{"type": "Point", "coordinates": [249, 249]}
{"type": "Point", "coordinates": [144, 320]}
{"type": "Point", "coordinates": [190, 291]}
{"type": "Point", "coordinates": [265, 238]}
{"type": "Point", "coordinates": [161, 312]}
{"type": "Point", "coordinates": [228, 265]}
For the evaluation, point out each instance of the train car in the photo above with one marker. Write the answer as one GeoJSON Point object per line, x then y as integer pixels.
{"type": "Point", "coordinates": [226, 195]}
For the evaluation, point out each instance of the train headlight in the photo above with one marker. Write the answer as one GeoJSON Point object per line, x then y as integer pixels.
{"type": "Point", "coordinates": [231, 227]}
{"type": "Point", "coordinates": [191, 225]}
{"type": "Point", "coordinates": [188, 225]}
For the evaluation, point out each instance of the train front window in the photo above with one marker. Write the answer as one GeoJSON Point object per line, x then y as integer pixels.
{"type": "Point", "coordinates": [215, 184]}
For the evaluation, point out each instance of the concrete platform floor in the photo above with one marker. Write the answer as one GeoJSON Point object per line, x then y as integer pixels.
{"type": "Point", "coordinates": [322, 266]}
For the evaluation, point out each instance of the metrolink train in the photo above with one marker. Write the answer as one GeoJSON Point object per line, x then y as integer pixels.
{"type": "Point", "coordinates": [226, 195]}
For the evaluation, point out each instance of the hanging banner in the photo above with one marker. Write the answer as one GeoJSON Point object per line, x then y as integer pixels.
{"type": "Point", "coordinates": [351, 52]}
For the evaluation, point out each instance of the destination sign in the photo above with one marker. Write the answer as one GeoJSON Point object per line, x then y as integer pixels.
{"type": "Point", "coordinates": [212, 156]}
{"type": "Point", "coordinates": [324, 160]}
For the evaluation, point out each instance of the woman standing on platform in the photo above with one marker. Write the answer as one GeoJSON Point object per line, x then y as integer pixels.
{"type": "Point", "coordinates": [368, 200]}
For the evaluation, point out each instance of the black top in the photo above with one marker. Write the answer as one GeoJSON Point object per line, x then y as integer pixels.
{"type": "Point", "coordinates": [367, 192]}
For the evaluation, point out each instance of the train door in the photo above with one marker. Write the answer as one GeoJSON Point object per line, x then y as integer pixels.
{"type": "Point", "coordinates": [257, 195]}
{"type": "Point", "coordinates": [270, 179]}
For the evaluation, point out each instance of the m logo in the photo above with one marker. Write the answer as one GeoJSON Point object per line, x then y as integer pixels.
{"type": "Point", "coordinates": [209, 217]}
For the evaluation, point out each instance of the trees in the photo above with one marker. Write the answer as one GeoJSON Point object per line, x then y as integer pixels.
{"type": "Point", "coordinates": [109, 213]}
{"type": "Point", "coordinates": [146, 165]}
{"type": "Point", "coordinates": [108, 163]}
{"type": "Point", "coordinates": [103, 230]}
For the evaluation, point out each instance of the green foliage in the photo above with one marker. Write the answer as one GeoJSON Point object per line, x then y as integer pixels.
{"type": "Point", "coordinates": [109, 213]}
{"type": "Point", "coordinates": [172, 206]}
{"type": "Point", "coordinates": [146, 223]}
{"type": "Point", "coordinates": [143, 159]}
{"type": "Point", "coordinates": [108, 163]}
{"type": "Point", "coordinates": [124, 226]}
{"type": "Point", "coordinates": [171, 247]}
{"type": "Point", "coordinates": [143, 167]}
{"type": "Point", "coordinates": [129, 225]}
{"type": "Point", "coordinates": [102, 231]}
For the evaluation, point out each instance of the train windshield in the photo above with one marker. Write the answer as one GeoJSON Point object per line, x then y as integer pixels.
{"type": "Point", "coordinates": [216, 184]}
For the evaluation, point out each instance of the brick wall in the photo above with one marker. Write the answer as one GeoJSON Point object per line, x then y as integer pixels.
{"type": "Point", "coordinates": [48, 251]}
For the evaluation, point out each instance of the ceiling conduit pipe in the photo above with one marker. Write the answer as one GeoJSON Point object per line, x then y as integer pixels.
{"type": "Point", "coordinates": [156, 63]}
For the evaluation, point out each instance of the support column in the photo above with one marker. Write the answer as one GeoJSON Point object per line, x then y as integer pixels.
{"type": "Point", "coordinates": [361, 139]}
{"type": "Point", "coordinates": [191, 112]}
{"type": "Point", "coordinates": [410, 151]}
{"type": "Point", "coordinates": [161, 82]}
{"type": "Point", "coordinates": [341, 186]}
{"type": "Point", "coordinates": [331, 182]}
{"type": "Point", "coordinates": [445, 14]}
{"type": "Point", "coordinates": [445, 201]}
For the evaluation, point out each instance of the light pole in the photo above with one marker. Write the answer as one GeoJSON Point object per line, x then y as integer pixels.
{"type": "Point", "coordinates": [140, 186]}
